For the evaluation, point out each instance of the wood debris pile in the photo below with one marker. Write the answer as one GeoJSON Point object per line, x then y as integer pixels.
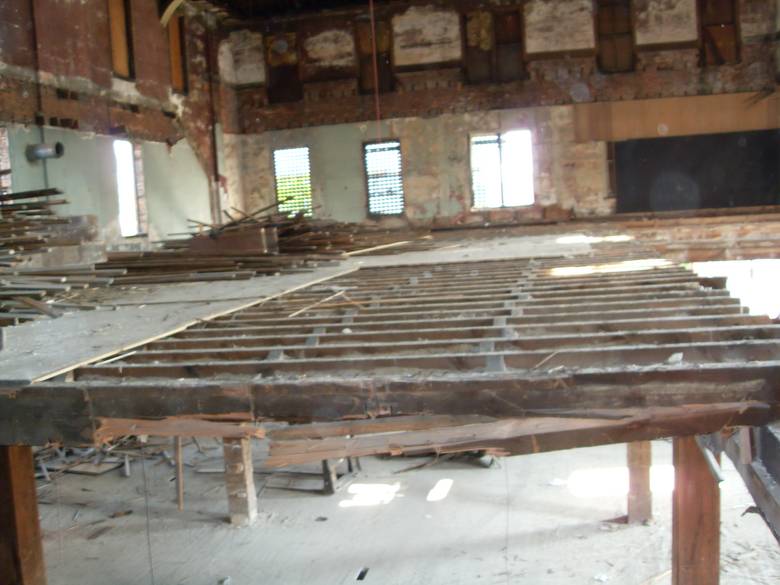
{"type": "Point", "coordinates": [31, 235]}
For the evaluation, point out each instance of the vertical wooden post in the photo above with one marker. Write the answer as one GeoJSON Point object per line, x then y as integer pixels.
{"type": "Point", "coordinates": [695, 517]}
{"type": "Point", "coordinates": [21, 549]}
{"type": "Point", "coordinates": [179, 474]}
{"type": "Point", "coordinates": [240, 482]}
{"type": "Point", "coordinates": [640, 498]}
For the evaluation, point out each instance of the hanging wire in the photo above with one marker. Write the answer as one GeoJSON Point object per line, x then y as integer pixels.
{"type": "Point", "coordinates": [377, 107]}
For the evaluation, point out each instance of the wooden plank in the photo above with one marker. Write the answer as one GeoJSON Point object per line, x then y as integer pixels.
{"type": "Point", "coordinates": [583, 357]}
{"type": "Point", "coordinates": [240, 482]}
{"type": "Point", "coordinates": [640, 497]}
{"type": "Point", "coordinates": [516, 436]}
{"type": "Point", "coordinates": [120, 41]}
{"type": "Point", "coordinates": [108, 429]}
{"type": "Point", "coordinates": [21, 547]}
{"type": "Point", "coordinates": [695, 517]}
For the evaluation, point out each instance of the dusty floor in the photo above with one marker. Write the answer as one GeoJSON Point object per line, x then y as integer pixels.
{"type": "Point", "coordinates": [531, 519]}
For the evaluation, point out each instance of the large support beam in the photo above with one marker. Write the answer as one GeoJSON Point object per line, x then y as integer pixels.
{"type": "Point", "coordinates": [695, 517]}
{"type": "Point", "coordinates": [640, 498]}
{"type": "Point", "coordinates": [240, 482]}
{"type": "Point", "coordinates": [21, 550]}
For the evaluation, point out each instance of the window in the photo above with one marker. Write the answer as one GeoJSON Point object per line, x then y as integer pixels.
{"type": "Point", "coordinates": [121, 38]}
{"type": "Point", "coordinates": [293, 180]}
{"type": "Point", "coordinates": [131, 222]}
{"type": "Point", "coordinates": [615, 36]}
{"type": "Point", "coordinates": [365, 50]}
{"type": "Point", "coordinates": [494, 46]}
{"type": "Point", "coordinates": [383, 175]}
{"type": "Point", "coordinates": [5, 161]}
{"type": "Point", "coordinates": [718, 32]}
{"type": "Point", "coordinates": [502, 169]}
{"type": "Point", "coordinates": [284, 82]}
{"type": "Point", "coordinates": [176, 49]}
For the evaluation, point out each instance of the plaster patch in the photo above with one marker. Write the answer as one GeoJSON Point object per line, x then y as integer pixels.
{"type": "Point", "coordinates": [330, 48]}
{"type": "Point", "coordinates": [665, 21]}
{"type": "Point", "coordinates": [554, 26]}
{"type": "Point", "coordinates": [425, 34]}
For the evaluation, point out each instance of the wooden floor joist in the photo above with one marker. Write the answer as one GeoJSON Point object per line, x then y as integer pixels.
{"type": "Point", "coordinates": [501, 339]}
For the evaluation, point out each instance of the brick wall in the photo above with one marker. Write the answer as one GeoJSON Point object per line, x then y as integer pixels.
{"type": "Point", "coordinates": [560, 61]}
{"type": "Point", "coordinates": [68, 81]}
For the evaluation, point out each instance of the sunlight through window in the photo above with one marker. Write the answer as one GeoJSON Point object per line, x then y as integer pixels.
{"type": "Point", "coordinates": [502, 170]}
{"type": "Point", "coordinates": [129, 223]}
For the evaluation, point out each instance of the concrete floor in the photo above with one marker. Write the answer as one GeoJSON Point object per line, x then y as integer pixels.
{"type": "Point", "coordinates": [530, 519]}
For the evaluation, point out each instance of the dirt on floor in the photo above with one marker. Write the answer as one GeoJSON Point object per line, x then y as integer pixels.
{"type": "Point", "coordinates": [544, 518]}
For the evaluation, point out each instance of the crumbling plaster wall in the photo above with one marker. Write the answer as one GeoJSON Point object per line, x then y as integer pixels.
{"type": "Point", "coordinates": [435, 161]}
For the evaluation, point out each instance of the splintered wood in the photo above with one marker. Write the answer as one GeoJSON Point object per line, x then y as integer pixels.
{"type": "Point", "coordinates": [569, 352]}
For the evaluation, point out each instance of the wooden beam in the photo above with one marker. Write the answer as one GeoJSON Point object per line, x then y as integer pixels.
{"type": "Point", "coordinates": [21, 548]}
{"type": "Point", "coordinates": [518, 436]}
{"type": "Point", "coordinates": [72, 409]}
{"type": "Point", "coordinates": [240, 482]}
{"type": "Point", "coordinates": [640, 497]}
{"type": "Point", "coordinates": [695, 517]}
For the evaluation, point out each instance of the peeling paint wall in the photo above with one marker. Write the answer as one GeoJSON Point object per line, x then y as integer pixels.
{"type": "Point", "coordinates": [425, 34]}
{"type": "Point", "coordinates": [552, 26]}
{"type": "Point", "coordinates": [436, 172]}
{"type": "Point", "coordinates": [665, 21]}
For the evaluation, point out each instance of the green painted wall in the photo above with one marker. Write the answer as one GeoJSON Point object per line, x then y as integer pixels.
{"type": "Point", "coordinates": [176, 186]}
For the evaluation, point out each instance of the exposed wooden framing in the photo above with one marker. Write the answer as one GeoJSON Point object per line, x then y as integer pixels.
{"type": "Point", "coordinates": [640, 497]}
{"type": "Point", "coordinates": [240, 482]}
{"type": "Point", "coordinates": [21, 547]}
{"type": "Point", "coordinates": [504, 338]}
{"type": "Point", "coordinates": [695, 517]}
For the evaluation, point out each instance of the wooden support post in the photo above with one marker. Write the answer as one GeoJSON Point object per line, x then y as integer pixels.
{"type": "Point", "coordinates": [21, 548]}
{"type": "Point", "coordinates": [179, 474]}
{"type": "Point", "coordinates": [640, 498]}
{"type": "Point", "coordinates": [240, 482]}
{"type": "Point", "coordinates": [695, 517]}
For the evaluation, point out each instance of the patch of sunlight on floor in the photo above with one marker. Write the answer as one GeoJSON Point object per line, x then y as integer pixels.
{"type": "Point", "coordinates": [440, 491]}
{"type": "Point", "coordinates": [754, 282]}
{"type": "Point", "coordinates": [625, 266]}
{"type": "Point", "coordinates": [370, 494]}
{"type": "Point", "coordinates": [598, 482]}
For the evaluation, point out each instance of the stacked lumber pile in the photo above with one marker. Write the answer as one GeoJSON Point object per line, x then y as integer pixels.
{"type": "Point", "coordinates": [264, 231]}
{"type": "Point", "coordinates": [30, 231]}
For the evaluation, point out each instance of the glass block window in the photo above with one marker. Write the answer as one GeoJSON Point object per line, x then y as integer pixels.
{"type": "Point", "coordinates": [502, 169]}
{"type": "Point", "coordinates": [293, 180]}
{"type": "Point", "coordinates": [383, 174]}
{"type": "Point", "coordinates": [5, 161]}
